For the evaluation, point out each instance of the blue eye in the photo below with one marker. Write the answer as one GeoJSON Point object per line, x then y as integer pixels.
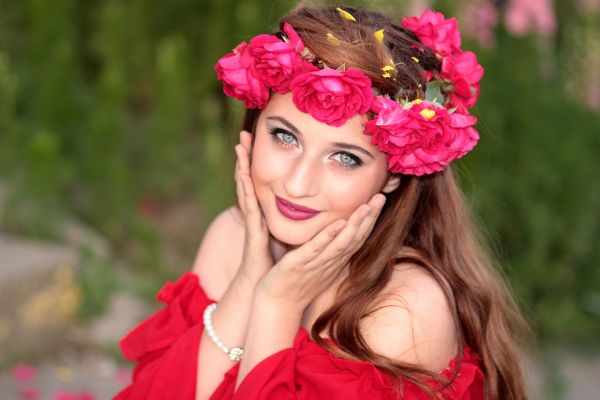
{"type": "Point", "coordinates": [284, 137]}
{"type": "Point", "coordinates": [344, 159]}
{"type": "Point", "coordinates": [287, 137]}
{"type": "Point", "coordinates": [347, 160]}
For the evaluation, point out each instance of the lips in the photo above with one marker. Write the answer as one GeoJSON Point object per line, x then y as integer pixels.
{"type": "Point", "coordinates": [294, 211]}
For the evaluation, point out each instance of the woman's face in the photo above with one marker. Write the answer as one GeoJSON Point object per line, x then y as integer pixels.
{"type": "Point", "coordinates": [297, 159]}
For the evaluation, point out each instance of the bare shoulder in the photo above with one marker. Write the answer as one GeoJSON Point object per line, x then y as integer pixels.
{"type": "Point", "coordinates": [220, 252]}
{"type": "Point", "coordinates": [414, 322]}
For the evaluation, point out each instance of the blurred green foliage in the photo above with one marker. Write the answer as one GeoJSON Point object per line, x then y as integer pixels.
{"type": "Point", "coordinates": [110, 112]}
{"type": "Point", "coordinates": [98, 280]}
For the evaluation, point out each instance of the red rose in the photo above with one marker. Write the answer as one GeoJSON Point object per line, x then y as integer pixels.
{"type": "Point", "coordinates": [236, 71]}
{"type": "Point", "coordinates": [435, 31]}
{"type": "Point", "coordinates": [463, 70]}
{"type": "Point", "coordinates": [332, 96]}
{"type": "Point", "coordinates": [276, 62]}
{"type": "Point", "coordinates": [423, 138]}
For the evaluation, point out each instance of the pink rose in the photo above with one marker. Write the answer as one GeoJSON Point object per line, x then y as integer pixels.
{"type": "Point", "coordinates": [236, 71]}
{"type": "Point", "coordinates": [65, 395]}
{"type": "Point", "coordinates": [435, 31]}
{"type": "Point", "coordinates": [23, 373]}
{"type": "Point", "coordinates": [332, 96]}
{"type": "Point", "coordinates": [29, 393]}
{"type": "Point", "coordinates": [293, 38]}
{"type": "Point", "coordinates": [463, 70]}
{"type": "Point", "coordinates": [422, 139]}
{"type": "Point", "coordinates": [380, 103]}
{"type": "Point", "coordinates": [277, 62]}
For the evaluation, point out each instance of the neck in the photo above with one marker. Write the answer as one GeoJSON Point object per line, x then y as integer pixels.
{"type": "Point", "coordinates": [279, 249]}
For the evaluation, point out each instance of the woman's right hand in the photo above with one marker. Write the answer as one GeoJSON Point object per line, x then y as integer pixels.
{"type": "Point", "coordinates": [257, 258]}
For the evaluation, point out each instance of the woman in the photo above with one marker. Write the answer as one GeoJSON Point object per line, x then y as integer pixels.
{"type": "Point", "coordinates": [349, 268]}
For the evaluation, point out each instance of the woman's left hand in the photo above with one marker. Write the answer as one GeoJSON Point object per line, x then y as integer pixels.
{"type": "Point", "coordinates": [303, 273]}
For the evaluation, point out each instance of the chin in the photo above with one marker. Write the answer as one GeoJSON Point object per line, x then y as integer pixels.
{"type": "Point", "coordinates": [289, 235]}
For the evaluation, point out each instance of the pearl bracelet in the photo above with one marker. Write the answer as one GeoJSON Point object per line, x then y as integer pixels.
{"type": "Point", "coordinates": [235, 353]}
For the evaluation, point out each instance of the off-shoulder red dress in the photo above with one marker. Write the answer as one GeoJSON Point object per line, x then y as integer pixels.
{"type": "Point", "coordinates": [165, 347]}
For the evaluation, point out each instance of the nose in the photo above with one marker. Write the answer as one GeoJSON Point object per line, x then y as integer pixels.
{"type": "Point", "coordinates": [302, 179]}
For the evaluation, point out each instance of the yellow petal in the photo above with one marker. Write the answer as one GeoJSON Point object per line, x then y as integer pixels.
{"type": "Point", "coordinates": [415, 59]}
{"type": "Point", "coordinates": [427, 113]}
{"type": "Point", "coordinates": [64, 374]}
{"type": "Point", "coordinates": [346, 15]}
{"type": "Point", "coordinates": [417, 101]}
{"type": "Point", "coordinates": [386, 75]}
{"type": "Point", "coordinates": [332, 39]}
{"type": "Point", "coordinates": [379, 35]}
{"type": "Point", "coordinates": [387, 68]}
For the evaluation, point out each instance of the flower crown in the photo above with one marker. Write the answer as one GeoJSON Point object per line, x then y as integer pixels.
{"type": "Point", "coordinates": [419, 137]}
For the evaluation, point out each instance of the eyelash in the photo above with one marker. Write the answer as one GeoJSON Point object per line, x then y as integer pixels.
{"type": "Point", "coordinates": [274, 132]}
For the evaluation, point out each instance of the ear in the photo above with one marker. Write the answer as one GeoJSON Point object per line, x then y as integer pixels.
{"type": "Point", "coordinates": [392, 184]}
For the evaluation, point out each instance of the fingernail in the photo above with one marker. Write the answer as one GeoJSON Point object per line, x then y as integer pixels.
{"type": "Point", "coordinates": [380, 201]}
{"type": "Point", "coordinates": [365, 210]}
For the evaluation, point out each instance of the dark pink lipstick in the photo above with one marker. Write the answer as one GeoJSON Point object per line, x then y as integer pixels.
{"type": "Point", "coordinates": [294, 211]}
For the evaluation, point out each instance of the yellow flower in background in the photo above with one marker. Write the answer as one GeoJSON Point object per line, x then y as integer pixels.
{"type": "Point", "coordinates": [55, 303]}
{"type": "Point", "coordinates": [64, 374]}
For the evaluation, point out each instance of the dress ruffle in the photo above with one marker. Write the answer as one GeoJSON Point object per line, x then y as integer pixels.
{"type": "Point", "coordinates": [166, 347]}
{"type": "Point", "coordinates": [308, 371]}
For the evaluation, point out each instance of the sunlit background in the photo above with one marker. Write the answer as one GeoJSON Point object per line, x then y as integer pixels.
{"type": "Point", "coordinates": [116, 151]}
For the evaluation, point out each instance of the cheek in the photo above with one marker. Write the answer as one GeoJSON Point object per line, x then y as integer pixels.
{"type": "Point", "coordinates": [265, 162]}
{"type": "Point", "coordinates": [346, 195]}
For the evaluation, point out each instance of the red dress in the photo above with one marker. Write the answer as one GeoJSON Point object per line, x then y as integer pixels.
{"type": "Point", "coordinates": [165, 347]}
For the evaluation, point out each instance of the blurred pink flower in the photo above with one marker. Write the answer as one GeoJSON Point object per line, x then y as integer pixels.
{"type": "Point", "coordinates": [478, 19]}
{"type": "Point", "coordinates": [29, 393]}
{"type": "Point", "coordinates": [522, 16]}
{"type": "Point", "coordinates": [65, 395]}
{"type": "Point", "coordinates": [418, 6]}
{"type": "Point", "coordinates": [23, 373]}
{"type": "Point", "coordinates": [62, 395]}
{"type": "Point", "coordinates": [85, 395]}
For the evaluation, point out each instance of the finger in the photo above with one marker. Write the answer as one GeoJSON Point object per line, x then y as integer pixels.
{"type": "Point", "coordinates": [254, 218]}
{"type": "Point", "coordinates": [246, 142]}
{"type": "Point", "coordinates": [376, 203]}
{"type": "Point", "coordinates": [314, 247]}
{"type": "Point", "coordinates": [239, 189]}
{"type": "Point", "coordinates": [344, 239]}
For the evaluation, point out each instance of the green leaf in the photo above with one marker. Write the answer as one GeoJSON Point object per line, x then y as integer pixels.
{"type": "Point", "coordinates": [433, 93]}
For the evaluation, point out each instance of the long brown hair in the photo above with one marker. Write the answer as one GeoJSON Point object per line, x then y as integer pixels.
{"type": "Point", "coordinates": [424, 222]}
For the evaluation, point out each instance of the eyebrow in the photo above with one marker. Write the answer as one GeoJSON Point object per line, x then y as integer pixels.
{"type": "Point", "coordinates": [342, 145]}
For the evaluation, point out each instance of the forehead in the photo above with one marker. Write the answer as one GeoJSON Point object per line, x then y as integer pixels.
{"type": "Point", "coordinates": [282, 105]}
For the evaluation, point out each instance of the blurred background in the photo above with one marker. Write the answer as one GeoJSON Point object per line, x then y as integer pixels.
{"type": "Point", "coordinates": [116, 151]}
